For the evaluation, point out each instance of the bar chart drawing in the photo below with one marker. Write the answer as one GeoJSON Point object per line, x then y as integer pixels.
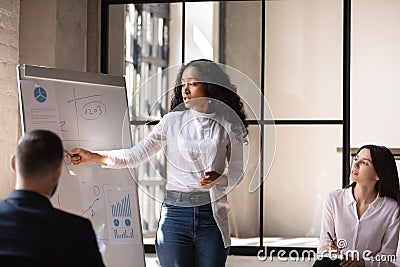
{"type": "Point", "coordinates": [122, 208]}
{"type": "Point", "coordinates": [123, 234]}
{"type": "Point", "coordinates": [123, 221]}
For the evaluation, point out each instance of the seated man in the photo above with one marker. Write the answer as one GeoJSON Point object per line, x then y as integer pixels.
{"type": "Point", "coordinates": [32, 232]}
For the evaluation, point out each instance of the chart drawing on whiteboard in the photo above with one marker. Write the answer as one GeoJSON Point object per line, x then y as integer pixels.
{"type": "Point", "coordinates": [122, 208]}
{"type": "Point", "coordinates": [88, 110]}
{"type": "Point", "coordinates": [40, 94]}
{"type": "Point", "coordinates": [119, 214]}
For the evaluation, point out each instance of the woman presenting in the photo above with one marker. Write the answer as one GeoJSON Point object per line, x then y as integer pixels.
{"type": "Point", "coordinates": [203, 138]}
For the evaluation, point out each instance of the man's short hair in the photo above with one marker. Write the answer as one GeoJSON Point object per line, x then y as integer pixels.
{"type": "Point", "coordinates": [38, 153]}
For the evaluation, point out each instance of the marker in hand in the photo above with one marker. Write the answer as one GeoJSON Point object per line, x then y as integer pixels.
{"type": "Point", "coordinates": [331, 238]}
{"type": "Point", "coordinates": [336, 250]}
{"type": "Point", "coordinates": [69, 154]}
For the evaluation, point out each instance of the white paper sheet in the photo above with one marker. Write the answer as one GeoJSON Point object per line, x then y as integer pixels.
{"type": "Point", "coordinates": [40, 106]}
{"type": "Point", "coordinates": [121, 215]}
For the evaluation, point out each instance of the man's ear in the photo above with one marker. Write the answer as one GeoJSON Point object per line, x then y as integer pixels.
{"type": "Point", "coordinates": [14, 164]}
{"type": "Point", "coordinates": [57, 173]}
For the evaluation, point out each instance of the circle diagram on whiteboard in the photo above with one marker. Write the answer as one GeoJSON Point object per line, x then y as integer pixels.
{"type": "Point", "coordinates": [40, 94]}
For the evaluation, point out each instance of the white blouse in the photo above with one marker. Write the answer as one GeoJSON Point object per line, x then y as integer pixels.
{"type": "Point", "coordinates": [377, 230]}
{"type": "Point", "coordinates": [193, 142]}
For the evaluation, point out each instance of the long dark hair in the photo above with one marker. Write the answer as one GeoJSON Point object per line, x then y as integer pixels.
{"type": "Point", "coordinates": [218, 86]}
{"type": "Point", "coordinates": [385, 166]}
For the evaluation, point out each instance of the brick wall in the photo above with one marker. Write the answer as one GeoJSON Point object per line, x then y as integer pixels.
{"type": "Point", "coordinates": [9, 120]}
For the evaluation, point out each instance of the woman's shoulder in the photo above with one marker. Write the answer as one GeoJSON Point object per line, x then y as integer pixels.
{"type": "Point", "coordinates": [236, 125]}
{"type": "Point", "coordinates": [340, 195]}
{"type": "Point", "coordinates": [339, 192]}
{"type": "Point", "coordinates": [338, 198]}
{"type": "Point", "coordinates": [172, 115]}
{"type": "Point", "coordinates": [168, 119]}
{"type": "Point", "coordinates": [390, 203]}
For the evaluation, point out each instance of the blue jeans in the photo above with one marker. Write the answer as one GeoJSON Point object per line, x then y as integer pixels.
{"type": "Point", "coordinates": [189, 236]}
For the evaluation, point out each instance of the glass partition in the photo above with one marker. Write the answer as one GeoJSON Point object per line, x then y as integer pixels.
{"type": "Point", "coordinates": [146, 54]}
{"type": "Point", "coordinates": [242, 50]}
{"type": "Point", "coordinates": [245, 214]}
{"type": "Point", "coordinates": [375, 83]}
{"type": "Point", "coordinates": [307, 165]}
{"type": "Point", "coordinates": [201, 30]}
{"type": "Point", "coordinates": [304, 58]}
{"type": "Point", "coordinates": [302, 81]}
{"type": "Point", "coordinates": [242, 38]}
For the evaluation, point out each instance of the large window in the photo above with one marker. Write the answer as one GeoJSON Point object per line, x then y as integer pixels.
{"type": "Point", "coordinates": [292, 52]}
{"type": "Point", "coordinates": [146, 46]}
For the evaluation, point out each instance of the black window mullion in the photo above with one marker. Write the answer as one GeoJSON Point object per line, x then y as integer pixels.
{"type": "Point", "coordinates": [346, 91]}
{"type": "Point", "coordinates": [245, 250]}
{"type": "Point", "coordinates": [222, 32]}
{"type": "Point", "coordinates": [104, 36]}
{"type": "Point", "coordinates": [183, 30]}
{"type": "Point", "coordinates": [262, 85]}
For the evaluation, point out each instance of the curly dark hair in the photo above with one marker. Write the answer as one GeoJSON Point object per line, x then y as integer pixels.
{"type": "Point", "coordinates": [217, 85]}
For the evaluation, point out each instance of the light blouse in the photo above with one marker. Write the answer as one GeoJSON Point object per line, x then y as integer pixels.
{"type": "Point", "coordinates": [193, 143]}
{"type": "Point", "coordinates": [376, 231]}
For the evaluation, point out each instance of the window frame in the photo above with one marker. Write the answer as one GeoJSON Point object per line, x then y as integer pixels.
{"type": "Point", "coordinates": [345, 121]}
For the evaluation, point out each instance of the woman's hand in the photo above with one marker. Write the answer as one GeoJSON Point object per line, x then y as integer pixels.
{"type": "Point", "coordinates": [208, 179]}
{"type": "Point", "coordinates": [347, 262]}
{"type": "Point", "coordinates": [80, 155]}
{"type": "Point", "coordinates": [332, 248]}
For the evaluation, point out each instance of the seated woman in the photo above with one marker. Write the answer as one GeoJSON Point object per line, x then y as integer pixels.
{"type": "Point", "coordinates": [363, 218]}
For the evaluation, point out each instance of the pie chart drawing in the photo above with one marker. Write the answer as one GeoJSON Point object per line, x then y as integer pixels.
{"type": "Point", "coordinates": [40, 94]}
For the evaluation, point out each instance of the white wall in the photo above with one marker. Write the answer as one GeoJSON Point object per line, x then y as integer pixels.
{"type": "Point", "coordinates": [116, 40]}
{"type": "Point", "coordinates": [55, 38]}
{"type": "Point", "coordinates": [304, 58]}
{"type": "Point", "coordinates": [37, 33]}
{"type": "Point", "coordinates": [303, 81]}
{"type": "Point", "coordinates": [42, 32]}
{"type": "Point", "coordinates": [71, 35]}
{"type": "Point", "coordinates": [375, 80]}
{"type": "Point", "coordinates": [9, 55]}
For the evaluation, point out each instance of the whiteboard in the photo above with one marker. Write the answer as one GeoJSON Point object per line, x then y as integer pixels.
{"type": "Point", "coordinates": [88, 110]}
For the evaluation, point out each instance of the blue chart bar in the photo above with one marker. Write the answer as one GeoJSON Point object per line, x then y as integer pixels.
{"type": "Point", "coordinates": [127, 234]}
{"type": "Point", "coordinates": [122, 208]}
